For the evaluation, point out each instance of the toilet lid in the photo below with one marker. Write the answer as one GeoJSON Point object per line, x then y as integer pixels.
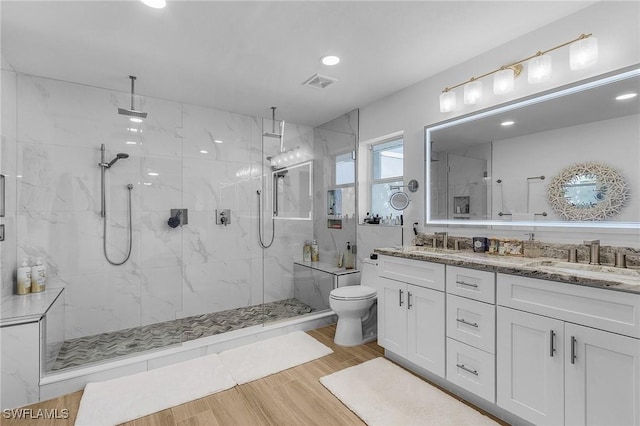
{"type": "Point", "coordinates": [353, 292]}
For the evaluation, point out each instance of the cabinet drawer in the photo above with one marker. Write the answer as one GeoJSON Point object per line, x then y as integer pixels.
{"type": "Point", "coordinates": [423, 274]}
{"type": "Point", "coordinates": [471, 369]}
{"type": "Point", "coordinates": [478, 285]}
{"type": "Point", "coordinates": [604, 309]}
{"type": "Point", "coordinates": [471, 322]}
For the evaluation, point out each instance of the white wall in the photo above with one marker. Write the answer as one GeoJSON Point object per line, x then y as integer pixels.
{"type": "Point", "coordinates": [617, 28]}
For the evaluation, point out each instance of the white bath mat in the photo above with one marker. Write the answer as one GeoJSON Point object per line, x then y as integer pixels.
{"type": "Point", "coordinates": [260, 359]}
{"type": "Point", "coordinates": [130, 397]}
{"type": "Point", "coordinates": [381, 393]}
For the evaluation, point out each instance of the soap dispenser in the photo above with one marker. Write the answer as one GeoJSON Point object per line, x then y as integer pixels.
{"type": "Point", "coordinates": [38, 276]}
{"type": "Point", "coordinates": [24, 278]}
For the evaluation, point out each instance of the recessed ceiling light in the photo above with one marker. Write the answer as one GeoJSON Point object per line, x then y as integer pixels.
{"type": "Point", "coordinates": [626, 96]}
{"type": "Point", "coordinates": [507, 123]}
{"type": "Point", "coordinates": [152, 174]}
{"type": "Point", "coordinates": [217, 141]}
{"type": "Point", "coordinates": [156, 4]}
{"type": "Point", "coordinates": [330, 60]}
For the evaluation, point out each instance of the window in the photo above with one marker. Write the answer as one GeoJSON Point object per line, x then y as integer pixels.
{"type": "Point", "coordinates": [387, 169]}
{"type": "Point", "coordinates": [345, 170]}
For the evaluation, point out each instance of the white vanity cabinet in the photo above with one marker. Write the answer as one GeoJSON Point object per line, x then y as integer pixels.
{"type": "Point", "coordinates": [411, 307]}
{"type": "Point", "coordinates": [471, 323]}
{"type": "Point", "coordinates": [567, 354]}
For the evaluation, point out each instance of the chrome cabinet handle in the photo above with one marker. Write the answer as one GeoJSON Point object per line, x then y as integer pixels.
{"type": "Point", "coordinates": [573, 349]}
{"type": "Point", "coordinates": [408, 300]}
{"type": "Point", "coordinates": [400, 297]}
{"type": "Point", "coordinates": [468, 370]}
{"type": "Point", "coordinates": [552, 348]}
{"type": "Point", "coordinates": [472, 324]}
{"type": "Point", "coordinates": [467, 284]}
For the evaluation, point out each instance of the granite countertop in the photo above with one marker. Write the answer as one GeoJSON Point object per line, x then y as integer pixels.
{"type": "Point", "coordinates": [602, 276]}
{"type": "Point", "coordinates": [20, 309]}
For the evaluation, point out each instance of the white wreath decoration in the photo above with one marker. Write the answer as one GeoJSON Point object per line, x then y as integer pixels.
{"type": "Point", "coordinates": [617, 193]}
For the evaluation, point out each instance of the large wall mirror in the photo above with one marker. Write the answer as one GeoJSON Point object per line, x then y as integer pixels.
{"type": "Point", "coordinates": [568, 157]}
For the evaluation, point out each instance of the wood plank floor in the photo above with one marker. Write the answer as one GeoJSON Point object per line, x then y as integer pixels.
{"type": "Point", "coordinates": [291, 397]}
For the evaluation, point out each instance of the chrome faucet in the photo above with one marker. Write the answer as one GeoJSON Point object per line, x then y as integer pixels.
{"type": "Point", "coordinates": [594, 253]}
{"type": "Point", "coordinates": [445, 238]}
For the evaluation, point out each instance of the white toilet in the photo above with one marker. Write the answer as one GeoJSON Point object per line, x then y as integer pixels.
{"type": "Point", "coordinates": [356, 308]}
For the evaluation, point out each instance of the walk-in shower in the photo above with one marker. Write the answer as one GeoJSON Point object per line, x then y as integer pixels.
{"type": "Point", "coordinates": [103, 203]}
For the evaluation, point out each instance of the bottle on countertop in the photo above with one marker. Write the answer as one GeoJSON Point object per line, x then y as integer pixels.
{"type": "Point", "coordinates": [348, 257]}
{"type": "Point", "coordinates": [306, 252]}
{"type": "Point", "coordinates": [340, 260]}
{"type": "Point", "coordinates": [24, 278]}
{"type": "Point", "coordinates": [38, 276]}
{"type": "Point", "coordinates": [315, 255]}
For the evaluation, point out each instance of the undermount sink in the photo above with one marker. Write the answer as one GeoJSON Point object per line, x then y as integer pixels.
{"type": "Point", "coordinates": [583, 267]}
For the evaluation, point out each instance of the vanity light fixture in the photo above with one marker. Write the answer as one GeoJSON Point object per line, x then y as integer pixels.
{"type": "Point", "coordinates": [156, 4]}
{"type": "Point", "coordinates": [131, 143]}
{"type": "Point", "coordinates": [583, 53]}
{"type": "Point", "coordinates": [626, 96]}
{"type": "Point", "coordinates": [153, 174]}
{"type": "Point", "coordinates": [330, 60]}
{"type": "Point", "coordinates": [217, 141]}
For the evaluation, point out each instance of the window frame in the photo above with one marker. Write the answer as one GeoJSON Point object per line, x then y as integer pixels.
{"type": "Point", "coordinates": [373, 181]}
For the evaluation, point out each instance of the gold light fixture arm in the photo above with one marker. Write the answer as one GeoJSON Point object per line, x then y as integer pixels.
{"type": "Point", "coordinates": [517, 66]}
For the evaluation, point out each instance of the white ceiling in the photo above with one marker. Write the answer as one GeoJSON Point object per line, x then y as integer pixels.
{"type": "Point", "coordinates": [245, 56]}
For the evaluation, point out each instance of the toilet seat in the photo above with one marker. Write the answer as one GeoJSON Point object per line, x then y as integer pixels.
{"type": "Point", "coordinates": [353, 292]}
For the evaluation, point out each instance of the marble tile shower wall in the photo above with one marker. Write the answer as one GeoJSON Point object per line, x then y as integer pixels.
{"type": "Point", "coordinates": [198, 268]}
{"type": "Point", "coordinates": [8, 167]}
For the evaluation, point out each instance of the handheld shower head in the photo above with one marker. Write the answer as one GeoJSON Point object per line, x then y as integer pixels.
{"type": "Point", "coordinates": [118, 157]}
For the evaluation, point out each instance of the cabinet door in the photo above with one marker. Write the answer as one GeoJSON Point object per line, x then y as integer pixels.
{"type": "Point", "coordinates": [602, 377]}
{"type": "Point", "coordinates": [392, 316]}
{"type": "Point", "coordinates": [426, 328]}
{"type": "Point", "coordinates": [530, 374]}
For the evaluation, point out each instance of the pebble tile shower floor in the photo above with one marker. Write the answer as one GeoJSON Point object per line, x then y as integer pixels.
{"type": "Point", "coordinates": [90, 349]}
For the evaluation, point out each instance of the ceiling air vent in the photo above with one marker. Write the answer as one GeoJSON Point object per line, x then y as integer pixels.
{"type": "Point", "coordinates": [318, 81]}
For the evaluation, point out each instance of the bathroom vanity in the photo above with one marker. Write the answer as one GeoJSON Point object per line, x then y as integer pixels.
{"type": "Point", "coordinates": [533, 339]}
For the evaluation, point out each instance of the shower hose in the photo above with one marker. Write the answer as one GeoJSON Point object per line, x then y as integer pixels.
{"type": "Point", "coordinates": [104, 228]}
{"type": "Point", "coordinates": [273, 225]}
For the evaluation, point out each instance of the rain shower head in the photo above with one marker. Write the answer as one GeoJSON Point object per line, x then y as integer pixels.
{"type": "Point", "coordinates": [272, 133]}
{"type": "Point", "coordinates": [133, 113]}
